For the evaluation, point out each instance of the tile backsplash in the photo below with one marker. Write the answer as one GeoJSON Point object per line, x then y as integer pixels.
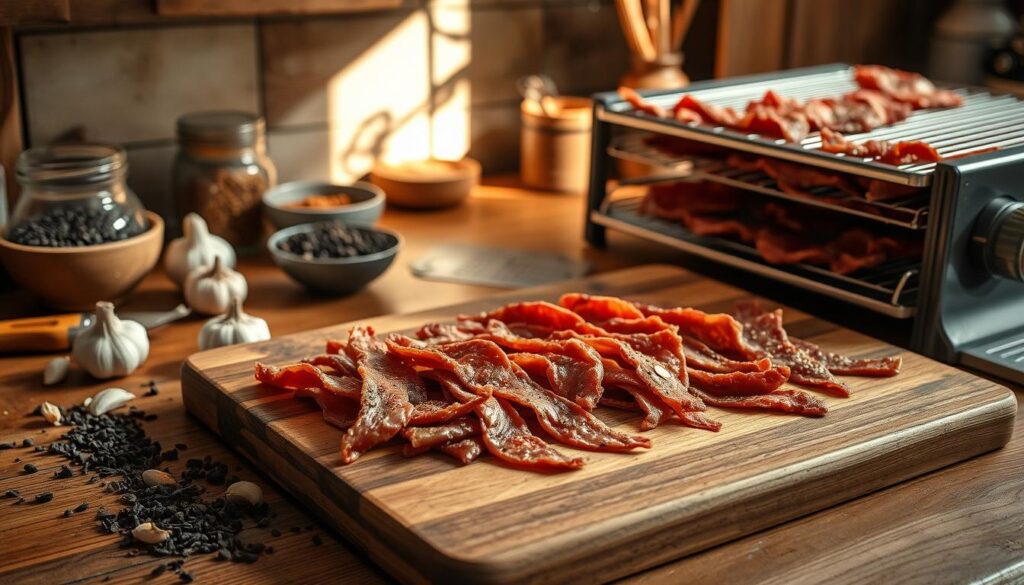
{"type": "Point", "coordinates": [338, 92]}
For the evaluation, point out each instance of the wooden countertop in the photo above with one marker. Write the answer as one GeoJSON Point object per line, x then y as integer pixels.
{"type": "Point", "coordinates": [961, 524]}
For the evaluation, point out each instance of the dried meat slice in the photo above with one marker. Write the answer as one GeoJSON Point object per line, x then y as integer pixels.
{"type": "Point", "coordinates": [596, 309]}
{"type": "Point", "coordinates": [337, 411]}
{"type": "Point", "coordinates": [573, 376]}
{"type": "Point", "coordinates": [465, 451]}
{"type": "Point", "coordinates": [338, 362]}
{"type": "Point", "coordinates": [740, 383]}
{"type": "Point", "coordinates": [302, 375]}
{"type": "Point", "coordinates": [845, 366]}
{"type": "Point", "coordinates": [700, 356]}
{"type": "Point", "coordinates": [505, 434]}
{"type": "Point", "coordinates": [384, 405]}
{"type": "Point", "coordinates": [481, 366]}
{"type": "Point", "coordinates": [905, 86]}
{"type": "Point", "coordinates": [541, 318]}
{"type": "Point", "coordinates": [653, 375]}
{"type": "Point", "coordinates": [436, 411]}
{"type": "Point", "coordinates": [721, 332]}
{"type": "Point", "coordinates": [453, 430]}
{"type": "Point", "coordinates": [791, 401]}
{"type": "Point", "coordinates": [763, 329]}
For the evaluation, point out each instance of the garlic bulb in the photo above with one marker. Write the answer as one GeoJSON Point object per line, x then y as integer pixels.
{"type": "Point", "coordinates": [110, 347]}
{"type": "Point", "coordinates": [197, 247]}
{"type": "Point", "coordinates": [233, 327]}
{"type": "Point", "coordinates": [209, 289]}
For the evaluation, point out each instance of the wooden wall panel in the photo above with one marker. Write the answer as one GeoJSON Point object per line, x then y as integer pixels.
{"type": "Point", "coordinates": [752, 36]}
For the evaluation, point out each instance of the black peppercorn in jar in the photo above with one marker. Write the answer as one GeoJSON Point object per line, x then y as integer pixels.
{"type": "Point", "coordinates": [221, 172]}
{"type": "Point", "coordinates": [74, 195]}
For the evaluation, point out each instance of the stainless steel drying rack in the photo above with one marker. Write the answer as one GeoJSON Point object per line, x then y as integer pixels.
{"type": "Point", "coordinates": [890, 288]}
{"type": "Point", "coordinates": [909, 212]}
{"type": "Point", "coordinates": [985, 120]}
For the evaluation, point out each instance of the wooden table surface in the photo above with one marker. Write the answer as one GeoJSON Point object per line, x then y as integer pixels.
{"type": "Point", "coordinates": [963, 523]}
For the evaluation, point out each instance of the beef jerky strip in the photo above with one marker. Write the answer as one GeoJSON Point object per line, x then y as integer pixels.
{"type": "Point", "coordinates": [845, 366]}
{"type": "Point", "coordinates": [466, 451]}
{"type": "Point", "coordinates": [660, 380]}
{"type": "Point", "coordinates": [482, 366]}
{"type": "Point", "coordinates": [721, 332]}
{"type": "Point", "coordinates": [299, 376]}
{"type": "Point", "coordinates": [596, 309]}
{"type": "Point", "coordinates": [505, 434]}
{"type": "Point", "coordinates": [700, 356]}
{"type": "Point", "coordinates": [453, 430]}
{"type": "Point", "coordinates": [338, 362]}
{"type": "Point", "coordinates": [740, 383]}
{"type": "Point", "coordinates": [436, 411]}
{"type": "Point", "coordinates": [384, 407]}
{"type": "Point", "coordinates": [654, 409]}
{"type": "Point", "coordinates": [337, 411]}
{"type": "Point", "coordinates": [540, 317]}
{"type": "Point", "coordinates": [792, 401]}
{"type": "Point", "coordinates": [763, 329]}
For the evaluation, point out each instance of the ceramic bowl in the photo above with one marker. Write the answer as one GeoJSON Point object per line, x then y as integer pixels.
{"type": "Point", "coordinates": [336, 276]}
{"type": "Point", "coordinates": [75, 278]}
{"type": "Point", "coordinates": [427, 184]}
{"type": "Point", "coordinates": [365, 209]}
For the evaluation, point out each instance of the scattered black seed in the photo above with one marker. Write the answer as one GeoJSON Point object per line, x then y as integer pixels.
{"type": "Point", "coordinates": [185, 577]}
{"type": "Point", "coordinates": [43, 497]}
{"type": "Point", "coordinates": [12, 494]}
{"type": "Point", "coordinates": [39, 449]}
{"type": "Point", "coordinates": [75, 226]}
{"type": "Point", "coordinates": [153, 391]}
{"type": "Point", "coordinates": [149, 417]}
{"type": "Point", "coordinates": [64, 473]}
{"type": "Point", "coordinates": [275, 532]}
{"type": "Point", "coordinates": [115, 447]}
{"type": "Point", "coordinates": [224, 554]}
{"type": "Point", "coordinates": [17, 459]}
{"type": "Point", "coordinates": [181, 446]}
{"type": "Point", "coordinates": [81, 507]}
{"type": "Point", "coordinates": [27, 442]}
{"type": "Point", "coordinates": [29, 468]}
{"type": "Point", "coordinates": [5, 446]}
{"type": "Point", "coordinates": [317, 541]}
{"type": "Point", "coordinates": [157, 571]}
{"type": "Point", "coordinates": [335, 240]}
{"type": "Point", "coordinates": [68, 513]}
{"type": "Point", "coordinates": [19, 501]}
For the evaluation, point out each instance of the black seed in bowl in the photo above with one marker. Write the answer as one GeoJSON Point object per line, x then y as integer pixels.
{"type": "Point", "coordinates": [62, 227]}
{"type": "Point", "coordinates": [336, 240]}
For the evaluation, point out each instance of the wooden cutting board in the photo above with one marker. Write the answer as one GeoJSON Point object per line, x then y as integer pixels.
{"type": "Point", "coordinates": [429, 519]}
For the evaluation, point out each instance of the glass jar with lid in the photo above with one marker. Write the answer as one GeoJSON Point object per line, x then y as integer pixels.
{"type": "Point", "coordinates": [221, 172]}
{"type": "Point", "coordinates": [74, 195]}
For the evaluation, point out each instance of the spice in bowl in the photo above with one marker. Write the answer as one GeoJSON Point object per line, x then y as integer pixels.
{"type": "Point", "coordinates": [335, 240]}
{"type": "Point", "coordinates": [63, 227]}
{"type": "Point", "coordinates": [325, 201]}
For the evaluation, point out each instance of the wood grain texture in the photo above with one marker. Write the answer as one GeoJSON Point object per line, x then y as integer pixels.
{"type": "Point", "coordinates": [752, 37]}
{"type": "Point", "coordinates": [19, 12]}
{"type": "Point", "coordinates": [622, 513]}
{"type": "Point", "coordinates": [10, 117]}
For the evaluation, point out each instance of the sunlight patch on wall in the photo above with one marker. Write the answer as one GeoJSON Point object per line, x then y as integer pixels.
{"type": "Point", "coordinates": [403, 98]}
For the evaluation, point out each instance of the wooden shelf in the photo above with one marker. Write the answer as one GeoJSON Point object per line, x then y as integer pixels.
{"type": "Point", "coordinates": [268, 7]}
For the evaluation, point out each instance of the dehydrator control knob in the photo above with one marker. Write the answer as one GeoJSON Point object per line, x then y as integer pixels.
{"type": "Point", "coordinates": [1000, 233]}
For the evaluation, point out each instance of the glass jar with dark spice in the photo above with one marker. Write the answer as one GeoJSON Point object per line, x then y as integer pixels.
{"type": "Point", "coordinates": [221, 172]}
{"type": "Point", "coordinates": [74, 195]}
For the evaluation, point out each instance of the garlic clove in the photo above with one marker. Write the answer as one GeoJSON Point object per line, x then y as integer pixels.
{"type": "Point", "coordinates": [153, 477]}
{"type": "Point", "coordinates": [110, 347]}
{"type": "Point", "coordinates": [56, 370]}
{"type": "Point", "coordinates": [150, 533]}
{"type": "Point", "coordinates": [51, 412]}
{"type": "Point", "coordinates": [209, 289]}
{"type": "Point", "coordinates": [197, 247]}
{"type": "Point", "coordinates": [233, 327]}
{"type": "Point", "coordinates": [109, 399]}
{"type": "Point", "coordinates": [244, 492]}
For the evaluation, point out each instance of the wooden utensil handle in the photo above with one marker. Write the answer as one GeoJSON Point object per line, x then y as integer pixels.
{"type": "Point", "coordinates": [38, 333]}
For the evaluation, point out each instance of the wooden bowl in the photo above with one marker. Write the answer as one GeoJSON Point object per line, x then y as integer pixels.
{"type": "Point", "coordinates": [427, 184]}
{"type": "Point", "coordinates": [75, 278]}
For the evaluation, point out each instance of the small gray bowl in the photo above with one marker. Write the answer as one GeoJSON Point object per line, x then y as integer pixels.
{"type": "Point", "coordinates": [336, 276]}
{"type": "Point", "coordinates": [365, 209]}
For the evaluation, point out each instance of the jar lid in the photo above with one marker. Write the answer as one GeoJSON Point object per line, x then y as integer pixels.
{"type": "Point", "coordinates": [71, 164]}
{"type": "Point", "coordinates": [221, 128]}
